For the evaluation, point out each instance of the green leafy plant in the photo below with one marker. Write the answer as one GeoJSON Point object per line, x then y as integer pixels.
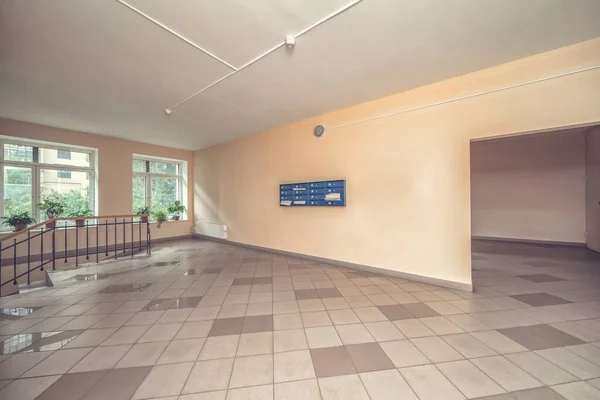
{"type": "Point", "coordinates": [145, 211]}
{"type": "Point", "coordinates": [79, 212]}
{"type": "Point", "coordinates": [52, 208]}
{"type": "Point", "coordinates": [176, 209]}
{"type": "Point", "coordinates": [73, 201]}
{"type": "Point", "coordinates": [160, 217]}
{"type": "Point", "coordinates": [18, 220]}
{"type": "Point", "coordinates": [142, 210]}
{"type": "Point", "coordinates": [82, 211]}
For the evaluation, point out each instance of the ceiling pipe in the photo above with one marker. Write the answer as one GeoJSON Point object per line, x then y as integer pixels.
{"type": "Point", "coordinates": [320, 129]}
{"type": "Point", "coordinates": [266, 53]}
{"type": "Point", "coordinates": [188, 41]}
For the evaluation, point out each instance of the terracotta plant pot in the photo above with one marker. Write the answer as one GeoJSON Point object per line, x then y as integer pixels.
{"type": "Point", "coordinates": [51, 224]}
{"type": "Point", "coordinates": [175, 217]}
{"type": "Point", "coordinates": [20, 227]}
{"type": "Point", "coordinates": [80, 222]}
{"type": "Point", "coordinates": [144, 219]}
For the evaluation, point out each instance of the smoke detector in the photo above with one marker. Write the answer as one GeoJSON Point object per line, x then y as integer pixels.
{"type": "Point", "coordinates": [168, 111]}
{"type": "Point", "coordinates": [290, 41]}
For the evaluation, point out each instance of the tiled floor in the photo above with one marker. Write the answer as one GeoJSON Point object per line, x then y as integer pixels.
{"type": "Point", "coordinates": [207, 321]}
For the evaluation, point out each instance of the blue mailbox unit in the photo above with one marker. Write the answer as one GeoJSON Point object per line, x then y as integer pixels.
{"type": "Point", "coordinates": [313, 194]}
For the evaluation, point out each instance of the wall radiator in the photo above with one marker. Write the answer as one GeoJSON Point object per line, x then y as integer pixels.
{"type": "Point", "coordinates": [212, 229]}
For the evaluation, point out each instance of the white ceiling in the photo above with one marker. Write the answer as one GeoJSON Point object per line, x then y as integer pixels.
{"type": "Point", "coordinates": [100, 67]}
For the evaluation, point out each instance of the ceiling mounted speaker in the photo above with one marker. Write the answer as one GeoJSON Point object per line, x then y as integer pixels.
{"type": "Point", "coordinates": [319, 130]}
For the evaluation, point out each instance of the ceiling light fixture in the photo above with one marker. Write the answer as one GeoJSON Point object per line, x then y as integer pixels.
{"type": "Point", "coordinates": [290, 41]}
{"type": "Point", "coordinates": [168, 111]}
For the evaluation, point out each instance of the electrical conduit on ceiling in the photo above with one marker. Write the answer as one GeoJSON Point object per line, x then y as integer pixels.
{"type": "Point", "coordinates": [319, 129]}
{"type": "Point", "coordinates": [234, 69]}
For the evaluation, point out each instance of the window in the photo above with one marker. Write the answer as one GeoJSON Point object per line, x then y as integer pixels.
{"type": "Point", "coordinates": [31, 172]}
{"type": "Point", "coordinates": [63, 174]}
{"type": "Point", "coordinates": [63, 154]}
{"type": "Point", "coordinates": [157, 183]}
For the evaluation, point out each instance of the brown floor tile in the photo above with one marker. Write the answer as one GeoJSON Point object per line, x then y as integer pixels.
{"type": "Point", "coordinates": [540, 278]}
{"type": "Point", "coordinates": [260, 323]}
{"type": "Point", "coordinates": [262, 280]}
{"type": "Point", "coordinates": [539, 337]}
{"type": "Point", "coordinates": [72, 386]}
{"type": "Point", "coordinates": [227, 326]}
{"type": "Point", "coordinates": [332, 361]}
{"type": "Point", "coordinates": [118, 384]}
{"type": "Point", "coordinates": [186, 302]}
{"type": "Point", "coordinates": [327, 293]}
{"type": "Point", "coordinates": [420, 310]}
{"type": "Point", "coordinates": [307, 294]}
{"type": "Point", "coordinates": [242, 281]}
{"type": "Point", "coordinates": [395, 312]}
{"type": "Point", "coordinates": [540, 299]}
{"type": "Point", "coordinates": [544, 393]}
{"type": "Point", "coordinates": [369, 357]}
{"type": "Point", "coordinates": [542, 264]}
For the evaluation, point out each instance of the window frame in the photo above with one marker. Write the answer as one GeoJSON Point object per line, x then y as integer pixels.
{"type": "Point", "coordinates": [180, 176]}
{"type": "Point", "coordinates": [36, 168]}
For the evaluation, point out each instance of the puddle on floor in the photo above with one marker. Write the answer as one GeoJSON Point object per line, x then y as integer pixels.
{"type": "Point", "coordinates": [165, 264]}
{"type": "Point", "coordinates": [125, 288]}
{"type": "Point", "coordinates": [35, 342]}
{"type": "Point", "coordinates": [92, 277]}
{"type": "Point", "coordinates": [11, 314]}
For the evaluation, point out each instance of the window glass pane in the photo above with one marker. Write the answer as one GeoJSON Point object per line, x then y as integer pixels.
{"type": "Point", "coordinates": [64, 157]}
{"type": "Point", "coordinates": [63, 174]}
{"type": "Point", "coordinates": [63, 154]}
{"type": "Point", "coordinates": [164, 192]}
{"type": "Point", "coordinates": [139, 166]}
{"type": "Point", "coordinates": [13, 152]}
{"type": "Point", "coordinates": [163, 167]}
{"type": "Point", "coordinates": [72, 192]}
{"type": "Point", "coordinates": [17, 190]}
{"type": "Point", "coordinates": [139, 192]}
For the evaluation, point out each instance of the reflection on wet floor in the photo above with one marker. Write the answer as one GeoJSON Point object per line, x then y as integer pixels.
{"type": "Point", "coordinates": [170, 304]}
{"type": "Point", "coordinates": [11, 314]}
{"type": "Point", "coordinates": [91, 277]}
{"type": "Point", "coordinates": [166, 264]}
{"type": "Point", "coordinates": [125, 288]}
{"type": "Point", "coordinates": [34, 342]}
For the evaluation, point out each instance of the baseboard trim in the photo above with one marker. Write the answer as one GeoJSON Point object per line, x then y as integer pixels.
{"type": "Point", "coordinates": [530, 241]}
{"type": "Point", "coordinates": [173, 238]}
{"type": "Point", "coordinates": [367, 268]}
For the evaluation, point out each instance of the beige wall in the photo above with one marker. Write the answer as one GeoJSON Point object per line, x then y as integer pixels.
{"type": "Point", "coordinates": [407, 176]}
{"type": "Point", "coordinates": [529, 187]}
{"type": "Point", "coordinates": [593, 188]}
{"type": "Point", "coordinates": [114, 167]}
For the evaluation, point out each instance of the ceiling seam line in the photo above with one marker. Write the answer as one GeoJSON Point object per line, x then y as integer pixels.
{"type": "Point", "coordinates": [263, 55]}
{"type": "Point", "coordinates": [171, 31]}
{"type": "Point", "coordinates": [470, 96]}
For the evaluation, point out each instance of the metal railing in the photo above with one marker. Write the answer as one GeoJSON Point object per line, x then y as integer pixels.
{"type": "Point", "coordinates": [37, 247]}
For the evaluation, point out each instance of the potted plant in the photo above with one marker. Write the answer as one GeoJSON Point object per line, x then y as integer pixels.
{"type": "Point", "coordinates": [143, 212]}
{"type": "Point", "coordinates": [18, 220]}
{"type": "Point", "coordinates": [79, 214]}
{"type": "Point", "coordinates": [176, 209]}
{"type": "Point", "coordinates": [160, 217]}
{"type": "Point", "coordinates": [53, 209]}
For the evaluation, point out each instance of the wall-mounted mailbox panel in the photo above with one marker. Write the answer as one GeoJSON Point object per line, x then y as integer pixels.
{"type": "Point", "coordinates": [313, 194]}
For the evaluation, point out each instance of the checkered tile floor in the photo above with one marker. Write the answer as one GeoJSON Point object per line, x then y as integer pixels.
{"type": "Point", "coordinates": [207, 321]}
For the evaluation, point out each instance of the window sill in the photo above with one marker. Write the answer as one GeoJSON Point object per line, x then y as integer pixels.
{"type": "Point", "coordinates": [170, 221]}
